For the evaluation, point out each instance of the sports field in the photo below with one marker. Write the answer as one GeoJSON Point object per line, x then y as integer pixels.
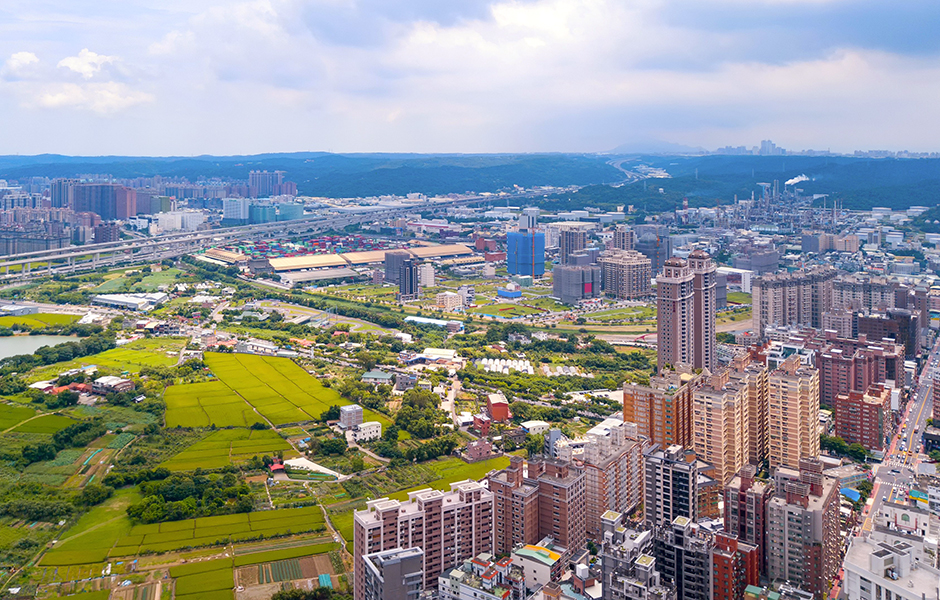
{"type": "Point", "coordinates": [277, 388]}
{"type": "Point", "coordinates": [227, 446]}
{"type": "Point", "coordinates": [38, 321]}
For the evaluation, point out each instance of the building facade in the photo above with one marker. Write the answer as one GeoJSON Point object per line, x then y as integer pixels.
{"type": "Point", "coordinates": [525, 253]}
{"type": "Point", "coordinates": [626, 274]}
{"type": "Point", "coordinates": [450, 527]}
{"type": "Point", "coordinates": [799, 298]}
{"type": "Point", "coordinates": [396, 574]}
{"type": "Point", "coordinates": [793, 413]}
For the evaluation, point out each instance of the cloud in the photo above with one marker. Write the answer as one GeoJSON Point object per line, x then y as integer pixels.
{"type": "Point", "coordinates": [476, 75]}
{"type": "Point", "coordinates": [102, 98]}
{"type": "Point", "coordinates": [87, 63]}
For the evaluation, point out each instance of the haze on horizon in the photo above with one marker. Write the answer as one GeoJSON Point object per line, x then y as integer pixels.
{"type": "Point", "coordinates": [243, 77]}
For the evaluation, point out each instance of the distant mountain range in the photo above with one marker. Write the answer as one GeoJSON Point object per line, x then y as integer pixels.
{"type": "Point", "coordinates": [858, 182]}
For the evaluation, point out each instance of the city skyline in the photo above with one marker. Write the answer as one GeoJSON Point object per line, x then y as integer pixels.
{"type": "Point", "coordinates": [477, 76]}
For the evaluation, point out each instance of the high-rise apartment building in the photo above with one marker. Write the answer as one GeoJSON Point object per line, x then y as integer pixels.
{"type": "Point", "coordinates": [655, 246]}
{"type": "Point", "coordinates": [799, 298]}
{"type": "Point", "coordinates": [573, 283]}
{"type": "Point", "coordinates": [623, 238]}
{"type": "Point", "coordinates": [847, 365]}
{"type": "Point", "coordinates": [884, 570]}
{"type": "Point", "coordinates": [704, 308]}
{"type": "Point", "coordinates": [107, 232]}
{"type": "Point", "coordinates": [735, 566]}
{"type": "Point", "coordinates": [720, 424]}
{"type": "Point", "coordinates": [793, 413]}
{"type": "Point", "coordinates": [515, 507]}
{"type": "Point", "coordinates": [396, 574]}
{"type": "Point", "coordinates": [408, 286]}
{"type": "Point", "coordinates": [60, 192]}
{"type": "Point", "coordinates": [683, 553]}
{"type": "Point", "coordinates": [626, 274]}
{"type": "Point", "coordinates": [662, 410]}
{"type": "Point", "coordinates": [862, 291]}
{"type": "Point", "coordinates": [571, 240]}
{"type": "Point", "coordinates": [677, 486]}
{"type": "Point", "coordinates": [529, 218]}
{"type": "Point", "coordinates": [674, 319]}
{"type": "Point", "coordinates": [686, 302]}
{"type": "Point", "coordinates": [752, 373]}
{"type": "Point", "coordinates": [745, 509]}
{"type": "Point", "coordinates": [393, 261]}
{"type": "Point", "coordinates": [263, 183]}
{"type": "Point", "coordinates": [548, 502]}
{"type": "Point", "coordinates": [561, 502]}
{"type": "Point", "coordinates": [628, 567]}
{"type": "Point", "coordinates": [865, 417]}
{"type": "Point", "coordinates": [525, 253]}
{"type": "Point", "coordinates": [426, 275]}
{"type": "Point", "coordinates": [450, 527]}
{"type": "Point", "coordinates": [803, 528]}
{"type": "Point", "coordinates": [110, 201]}
{"type": "Point", "coordinates": [613, 466]}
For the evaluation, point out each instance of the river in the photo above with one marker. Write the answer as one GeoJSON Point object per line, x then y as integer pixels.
{"type": "Point", "coordinates": [27, 344]}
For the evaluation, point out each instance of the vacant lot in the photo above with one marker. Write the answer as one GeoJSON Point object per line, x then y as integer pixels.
{"type": "Point", "coordinates": [227, 446]}
{"type": "Point", "coordinates": [506, 311]}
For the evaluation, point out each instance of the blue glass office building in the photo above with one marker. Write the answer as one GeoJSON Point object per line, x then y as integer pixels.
{"type": "Point", "coordinates": [525, 254]}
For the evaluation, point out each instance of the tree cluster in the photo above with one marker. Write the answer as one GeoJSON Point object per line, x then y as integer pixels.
{"type": "Point", "coordinates": [185, 496]}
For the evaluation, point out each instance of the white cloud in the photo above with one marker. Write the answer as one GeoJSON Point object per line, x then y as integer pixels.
{"type": "Point", "coordinates": [102, 98]}
{"type": "Point", "coordinates": [19, 60]}
{"type": "Point", "coordinates": [87, 63]}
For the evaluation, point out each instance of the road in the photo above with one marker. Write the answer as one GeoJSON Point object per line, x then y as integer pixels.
{"type": "Point", "coordinates": [895, 474]}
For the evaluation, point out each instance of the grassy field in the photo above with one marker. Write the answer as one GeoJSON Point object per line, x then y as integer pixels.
{"type": "Point", "coordinates": [741, 315]}
{"type": "Point", "coordinates": [639, 313]}
{"type": "Point", "coordinates": [11, 415]}
{"type": "Point", "coordinates": [155, 352]}
{"type": "Point", "coordinates": [504, 310]}
{"type": "Point", "coordinates": [44, 424]}
{"type": "Point", "coordinates": [92, 537]}
{"type": "Point", "coordinates": [151, 282]}
{"type": "Point", "coordinates": [210, 531]}
{"type": "Point", "coordinates": [225, 447]}
{"type": "Point", "coordinates": [739, 298]}
{"type": "Point", "coordinates": [39, 320]}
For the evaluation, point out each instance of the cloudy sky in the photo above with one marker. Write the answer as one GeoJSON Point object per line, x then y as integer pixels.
{"type": "Point", "coordinates": [182, 77]}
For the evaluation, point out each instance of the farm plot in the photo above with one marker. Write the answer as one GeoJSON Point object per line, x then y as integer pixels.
{"type": "Point", "coordinates": [280, 390]}
{"type": "Point", "coordinates": [227, 446]}
{"type": "Point", "coordinates": [44, 424]}
{"type": "Point", "coordinates": [91, 538]}
{"type": "Point", "coordinates": [209, 579]}
{"type": "Point", "coordinates": [210, 531]}
{"type": "Point", "coordinates": [11, 415]}
{"type": "Point", "coordinates": [204, 404]}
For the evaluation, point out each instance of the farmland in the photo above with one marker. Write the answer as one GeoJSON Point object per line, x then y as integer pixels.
{"type": "Point", "coordinates": [210, 531]}
{"type": "Point", "coordinates": [44, 424]}
{"type": "Point", "coordinates": [205, 404]}
{"type": "Point", "coordinates": [227, 446]}
{"type": "Point", "coordinates": [277, 388]}
{"type": "Point", "coordinates": [160, 352]}
{"type": "Point", "coordinates": [37, 321]}
{"type": "Point", "coordinates": [11, 415]}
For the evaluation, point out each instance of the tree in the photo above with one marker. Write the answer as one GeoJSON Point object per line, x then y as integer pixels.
{"type": "Point", "coordinates": [330, 414]}
{"type": "Point", "coordinates": [93, 494]}
{"type": "Point", "coordinates": [857, 452]}
{"type": "Point", "coordinates": [336, 445]}
{"type": "Point", "coordinates": [934, 455]}
{"type": "Point", "coordinates": [534, 444]}
{"type": "Point", "coordinates": [357, 464]}
{"type": "Point", "coordinates": [63, 399]}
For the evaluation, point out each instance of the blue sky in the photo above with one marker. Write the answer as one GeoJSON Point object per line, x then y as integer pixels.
{"type": "Point", "coordinates": [232, 77]}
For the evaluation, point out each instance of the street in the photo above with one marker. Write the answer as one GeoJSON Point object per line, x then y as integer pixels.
{"type": "Point", "coordinates": [896, 472]}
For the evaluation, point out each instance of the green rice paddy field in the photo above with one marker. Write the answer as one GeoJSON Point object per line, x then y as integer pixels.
{"type": "Point", "coordinates": [11, 415]}
{"type": "Point", "coordinates": [277, 388]}
{"type": "Point", "coordinates": [227, 446]}
{"type": "Point", "coordinates": [44, 424]}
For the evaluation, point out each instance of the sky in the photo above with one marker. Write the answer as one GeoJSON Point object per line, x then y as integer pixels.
{"type": "Point", "coordinates": [175, 77]}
